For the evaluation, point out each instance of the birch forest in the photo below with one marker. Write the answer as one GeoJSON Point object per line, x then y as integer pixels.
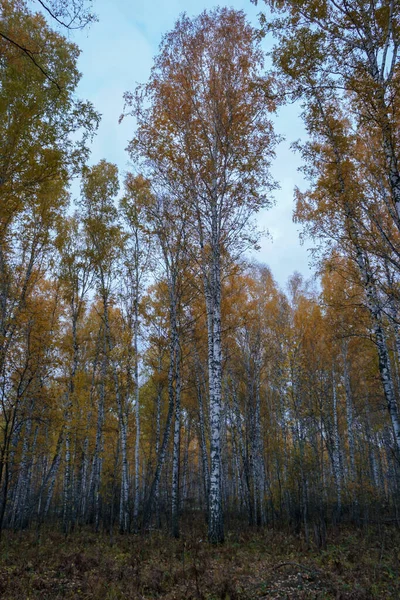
{"type": "Point", "coordinates": [160, 393]}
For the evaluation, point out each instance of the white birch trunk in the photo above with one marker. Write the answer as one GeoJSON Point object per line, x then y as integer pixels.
{"type": "Point", "coordinates": [336, 449]}
{"type": "Point", "coordinates": [136, 500]}
{"type": "Point", "coordinates": [349, 415]}
{"type": "Point", "coordinates": [122, 418]}
{"type": "Point", "coordinates": [176, 450]}
{"type": "Point", "coordinates": [21, 486]}
{"type": "Point", "coordinates": [158, 432]}
{"type": "Point", "coordinates": [67, 481]}
{"type": "Point", "coordinates": [202, 428]}
{"type": "Point", "coordinates": [383, 354]}
{"type": "Point", "coordinates": [216, 526]}
{"type": "Point", "coordinates": [172, 371]}
{"type": "Point", "coordinates": [52, 475]}
{"type": "Point", "coordinates": [259, 470]}
{"type": "Point", "coordinates": [362, 258]}
{"type": "Point", "coordinates": [98, 450]}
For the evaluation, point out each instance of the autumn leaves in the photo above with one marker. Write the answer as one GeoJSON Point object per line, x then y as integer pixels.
{"type": "Point", "coordinates": [204, 141]}
{"type": "Point", "coordinates": [168, 372]}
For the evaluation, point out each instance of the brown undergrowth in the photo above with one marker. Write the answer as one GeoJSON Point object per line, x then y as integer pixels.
{"type": "Point", "coordinates": [357, 564]}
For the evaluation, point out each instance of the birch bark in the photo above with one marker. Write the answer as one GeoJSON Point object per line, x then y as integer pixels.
{"type": "Point", "coordinates": [336, 449]}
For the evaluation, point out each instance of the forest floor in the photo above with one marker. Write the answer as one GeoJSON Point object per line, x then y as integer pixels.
{"type": "Point", "coordinates": [357, 564]}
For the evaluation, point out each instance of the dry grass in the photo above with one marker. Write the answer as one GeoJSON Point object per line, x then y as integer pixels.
{"type": "Point", "coordinates": [357, 564]}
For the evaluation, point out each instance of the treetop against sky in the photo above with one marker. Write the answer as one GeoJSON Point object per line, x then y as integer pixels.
{"type": "Point", "coordinates": [117, 53]}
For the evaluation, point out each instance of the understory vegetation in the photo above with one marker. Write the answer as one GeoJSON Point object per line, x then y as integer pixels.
{"type": "Point", "coordinates": [356, 565]}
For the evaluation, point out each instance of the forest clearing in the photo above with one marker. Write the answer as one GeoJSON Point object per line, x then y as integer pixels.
{"type": "Point", "coordinates": [175, 423]}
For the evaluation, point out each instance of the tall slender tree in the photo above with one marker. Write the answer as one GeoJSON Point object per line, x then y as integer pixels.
{"type": "Point", "coordinates": [204, 134]}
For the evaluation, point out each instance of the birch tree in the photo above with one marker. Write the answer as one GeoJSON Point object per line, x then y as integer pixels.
{"type": "Point", "coordinates": [137, 258]}
{"type": "Point", "coordinates": [100, 187]}
{"type": "Point", "coordinates": [204, 134]}
{"type": "Point", "coordinates": [76, 277]}
{"type": "Point", "coordinates": [38, 155]}
{"type": "Point", "coordinates": [351, 112]}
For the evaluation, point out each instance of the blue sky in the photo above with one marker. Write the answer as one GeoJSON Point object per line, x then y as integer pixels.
{"type": "Point", "coordinates": [117, 53]}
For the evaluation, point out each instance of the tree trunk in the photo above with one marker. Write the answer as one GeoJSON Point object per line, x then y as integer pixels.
{"type": "Point", "coordinates": [336, 450]}
{"type": "Point", "coordinates": [213, 304]}
{"type": "Point", "coordinates": [176, 450]}
{"type": "Point", "coordinates": [136, 484]}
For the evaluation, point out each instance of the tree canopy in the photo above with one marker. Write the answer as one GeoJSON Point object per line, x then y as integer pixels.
{"type": "Point", "coordinates": [148, 368]}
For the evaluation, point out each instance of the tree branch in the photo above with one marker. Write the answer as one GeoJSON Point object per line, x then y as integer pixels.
{"type": "Point", "coordinates": [30, 55]}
